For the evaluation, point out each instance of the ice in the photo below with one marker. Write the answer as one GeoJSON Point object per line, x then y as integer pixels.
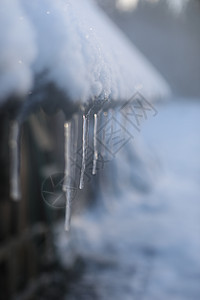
{"type": "Point", "coordinates": [68, 210]}
{"type": "Point", "coordinates": [78, 48]}
{"type": "Point", "coordinates": [67, 179]}
{"type": "Point", "coordinates": [75, 131]}
{"type": "Point", "coordinates": [95, 158]}
{"type": "Point", "coordinates": [84, 151]}
{"type": "Point", "coordinates": [67, 129]}
{"type": "Point", "coordinates": [14, 144]}
{"type": "Point", "coordinates": [147, 246]}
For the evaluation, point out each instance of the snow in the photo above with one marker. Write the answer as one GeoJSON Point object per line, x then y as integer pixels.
{"type": "Point", "coordinates": [75, 46]}
{"type": "Point", "coordinates": [17, 48]}
{"type": "Point", "coordinates": [176, 6]}
{"type": "Point", "coordinates": [144, 244]}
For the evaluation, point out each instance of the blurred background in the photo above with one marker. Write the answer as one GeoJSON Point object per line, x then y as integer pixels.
{"type": "Point", "coordinates": [135, 228]}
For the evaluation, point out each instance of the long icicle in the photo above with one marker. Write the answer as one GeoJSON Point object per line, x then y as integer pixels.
{"type": "Point", "coordinates": [75, 142]}
{"type": "Point", "coordinates": [84, 143]}
{"type": "Point", "coordinates": [14, 144]}
{"type": "Point", "coordinates": [95, 158]}
{"type": "Point", "coordinates": [67, 179]}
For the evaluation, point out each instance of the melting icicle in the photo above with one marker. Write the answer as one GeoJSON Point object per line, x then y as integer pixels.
{"type": "Point", "coordinates": [95, 158]}
{"type": "Point", "coordinates": [84, 143]}
{"type": "Point", "coordinates": [75, 142]}
{"type": "Point", "coordinates": [68, 210]}
{"type": "Point", "coordinates": [67, 128]}
{"type": "Point", "coordinates": [67, 179]}
{"type": "Point", "coordinates": [15, 192]}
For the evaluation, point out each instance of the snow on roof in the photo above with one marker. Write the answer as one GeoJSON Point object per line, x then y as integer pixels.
{"type": "Point", "coordinates": [77, 46]}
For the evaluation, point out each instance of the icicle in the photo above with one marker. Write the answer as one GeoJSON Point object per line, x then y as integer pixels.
{"type": "Point", "coordinates": [84, 143]}
{"type": "Point", "coordinates": [68, 210]}
{"type": "Point", "coordinates": [15, 192]}
{"type": "Point", "coordinates": [67, 178]}
{"type": "Point", "coordinates": [75, 142]}
{"type": "Point", "coordinates": [84, 151]}
{"type": "Point", "coordinates": [67, 128]}
{"type": "Point", "coordinates": [95, 158]}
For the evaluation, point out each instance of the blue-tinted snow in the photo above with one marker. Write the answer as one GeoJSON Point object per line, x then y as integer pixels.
{"type": "Point", "coordinates": [145, 245]}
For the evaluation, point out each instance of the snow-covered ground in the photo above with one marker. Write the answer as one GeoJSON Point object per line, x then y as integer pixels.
{"type": "Point", "coordinates": [145, 245]}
